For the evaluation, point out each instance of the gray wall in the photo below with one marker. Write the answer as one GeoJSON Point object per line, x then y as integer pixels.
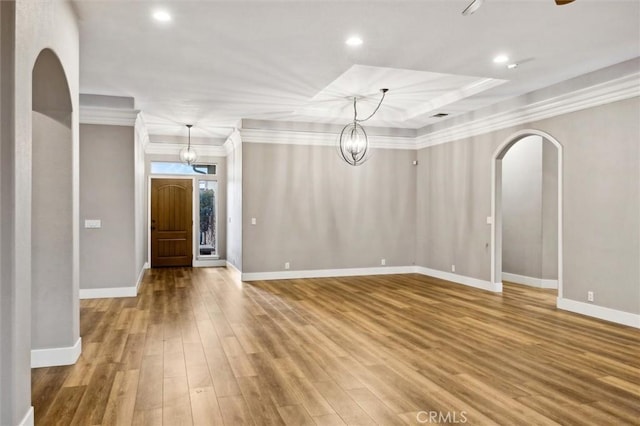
{"type": "Point", "coordinates": [317, 212]}
{"type": "Point", "coordinates": [27, 28]}
{"type": "Point", "coordinates": [453, 201]}
{"type": "Point", "coordinates": [522, 208]}
{"type": "Point", "coordinates": [549, 211]}
{"type": "Point", "coordinates": [51, 235]}
{"type": "Point", "coordinates": [601, 203]}
{"type": "Point", "coordinates": [234, 202]}
{"type": "Point", "coordinates": [529, 209]}
{"type": "Point", "coordinates": [7, 318]}
{"type": "Point", "coordinates": [107, 192]}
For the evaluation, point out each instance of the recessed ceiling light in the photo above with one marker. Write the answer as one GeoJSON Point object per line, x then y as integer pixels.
{"type": "Point", "coordinates": [512, 66]}
{"type": "Point", "coordinates": [500, 59]}
{"type": "Point", "coordinates": [354, 41]}
{"type": "Point", "coordinates": [161, 16]}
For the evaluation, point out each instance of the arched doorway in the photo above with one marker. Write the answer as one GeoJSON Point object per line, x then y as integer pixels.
{"type": "Point", "coordinates": [54, 308]}
{"type": "Point", "coordinates": [496, 204]}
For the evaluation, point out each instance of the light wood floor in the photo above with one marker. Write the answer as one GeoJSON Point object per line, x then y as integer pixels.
{"type": "Point", "coordinates": [197, 346]}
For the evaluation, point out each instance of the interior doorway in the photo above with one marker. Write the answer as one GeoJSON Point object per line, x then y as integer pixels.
{"type": "Point", "coordinates": [498, 223]}
{"type": "Point", "coordinates": [171, 222]}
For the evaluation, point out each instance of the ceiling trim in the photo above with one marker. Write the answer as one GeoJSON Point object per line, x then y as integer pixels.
{"type": "Point", "coordinates": [174, 149]}
{"type": "Point", "coordinates": [611, 91]}
{"type": "Point", "coordinates": [284, 137]}
{"type": "Point", "coordinates": [108, 116]}
{"type": "Point", "coordinates": [615, 90]}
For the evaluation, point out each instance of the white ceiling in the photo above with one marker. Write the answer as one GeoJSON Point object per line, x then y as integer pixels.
{"type": "Point", "coordinates": [220, 61]}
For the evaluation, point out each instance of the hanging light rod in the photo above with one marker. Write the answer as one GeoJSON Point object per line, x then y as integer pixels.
{"type": "Point", "coordinates": [354, 143]}
{"type": "Point", "coordinates": [188, 155]}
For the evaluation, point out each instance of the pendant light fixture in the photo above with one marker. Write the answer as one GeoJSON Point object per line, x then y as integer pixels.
{"type": "Point", "coordinates": [354, 143]}
{"type": "Point", "coordinates": [188, 155]}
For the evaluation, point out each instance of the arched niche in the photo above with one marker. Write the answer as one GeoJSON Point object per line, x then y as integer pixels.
{"type": "Point", "coordinates": [53, 309]}
{"type": "Point", "coordinates": [496, 203]}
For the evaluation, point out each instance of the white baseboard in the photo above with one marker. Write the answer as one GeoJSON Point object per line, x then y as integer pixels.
{"type": "Point", "coordinates": [141, 276]}
{"type": "Point", "coordinates": [382, 270]}
{"type": "Point", "coordinates": [600, 312]}
{"type": "Point", "coordinates": [325, 273]}
{"type": "Point", "coordinates": [209, 263]}
{"type": "Point", "coordinates": [56, 356]}
{"type": "Point", "coordinates": [530, 281]}
{"type": "Point", "coordinates": [28, 419]}
{"type": "Point", "coordinates": [103, 293]}
{"type": "Point", "coordinates": [461, 279]}
{"type": "Point", "coordinates": [112, 292]}
{"type": "Point", "coordinates": [233, 267]}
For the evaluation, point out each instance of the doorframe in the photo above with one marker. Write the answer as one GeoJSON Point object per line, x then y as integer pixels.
{"type": "Point", "coordinates": [195, 262]}
{"type": "Point", "coordinates": [496, 204]}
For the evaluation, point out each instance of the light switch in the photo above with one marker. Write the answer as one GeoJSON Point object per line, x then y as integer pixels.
{"type": "Point", "coordinates": [489, 220]}
{"type": "Point", "coordinates": [93, 223]}
{"type": "Point", "coordinates": [253, 221]}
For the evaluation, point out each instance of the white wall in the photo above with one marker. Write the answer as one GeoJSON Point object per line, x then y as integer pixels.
{"type": "Point", "coordinates": [140, 196]}
{"type": "Point", "coordinates": [234, 202]}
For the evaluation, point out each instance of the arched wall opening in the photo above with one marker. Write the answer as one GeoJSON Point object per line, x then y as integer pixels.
{"type": "Point", "coordinates": [497, 204]}
{"type": "Point", "coordinates": [53, 309]}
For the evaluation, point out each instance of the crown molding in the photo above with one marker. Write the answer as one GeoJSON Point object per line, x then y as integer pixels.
{"type": "Point", "coordinates": [141, 128]}
{"type": "Point", "coordinates": [174, 149]}
{"type": "Point", "coordinates": [611, 91]}
{"type": "Point", "coordinates": [108, 116]}
{"type": "Point", "coordinates": [232, 142]}
{"type": "Point", "coordinates": [284, 137]}
{"type": "Point", "coordinates": [600, 94]}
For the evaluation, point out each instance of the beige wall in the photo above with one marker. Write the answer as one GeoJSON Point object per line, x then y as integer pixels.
{"type": "Point", "coordinates": [316, 212]}
{"type": "Point", "coordinates": [107, 255]}
{"type": "Point", "coordinates": [601, 203]}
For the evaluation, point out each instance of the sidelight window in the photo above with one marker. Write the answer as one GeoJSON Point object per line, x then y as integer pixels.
{"type": "Point", "coordinates": [207, 212]}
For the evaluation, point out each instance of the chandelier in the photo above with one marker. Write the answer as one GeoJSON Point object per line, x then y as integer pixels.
{"type": "Point", "coordinates": [188, 155]}
{"type": "Point", "coordinates": [354, 143]}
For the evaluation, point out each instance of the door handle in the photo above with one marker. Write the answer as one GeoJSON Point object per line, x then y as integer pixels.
{"type": "Point", "coordinates": [153, 228]}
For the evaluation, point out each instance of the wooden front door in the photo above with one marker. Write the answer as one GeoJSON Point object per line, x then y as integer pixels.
{"type": "Point", "coordinates": [171, 222]}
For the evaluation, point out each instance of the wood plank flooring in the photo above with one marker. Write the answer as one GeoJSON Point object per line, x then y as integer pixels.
{"type": "Point", "coordinates": [197, 346]}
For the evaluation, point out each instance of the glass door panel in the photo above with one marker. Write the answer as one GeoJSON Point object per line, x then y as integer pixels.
{"type": "Point", "coordinates": [207, 239]}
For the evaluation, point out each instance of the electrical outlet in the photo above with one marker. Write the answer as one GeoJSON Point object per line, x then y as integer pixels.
{"type": "Point", "coordinates": [453, 268]}
{"type": "Point", "coordinates": [590, 296]}
{"type": "Point", "coordinates": [253, 221]}
{"type": "Point", "coordinates": [286, 265]}
{"type": "Point", "coordinates": [383, 262]}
